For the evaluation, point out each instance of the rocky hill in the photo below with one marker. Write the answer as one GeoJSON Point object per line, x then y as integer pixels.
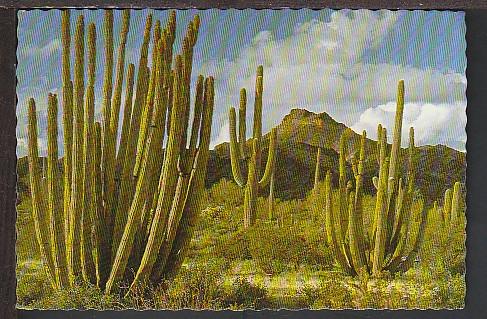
{"type": "Point", "coordinates": [300, 134]}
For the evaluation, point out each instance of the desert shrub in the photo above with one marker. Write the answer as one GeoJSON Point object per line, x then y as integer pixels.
{"type": "Point", "coordinates": [233, 246]}
{"type": "Point", "coordinates": [275, 249]}
{"type": "Point", "coordinates": [244, 294]}
{"type": "Point", "coordinates": [80, 296]}
{"type": "Point", "coordinates": [451, 293]}
{"type": "Point", "coordinates": [197, 286]}
{"type": "Point", "coordinates": [213, 213]}
{"type": "Point", "coordinates": [32, 283]}
{"type": "Point", "coordinates": [432, 286]}
{"type": "Point", "coordinates": [316, 253]}
{"type": "Point", "coordinates": [26, 248]}
{"type": "Point", "coordinates": [226, 193]}
{"type": "Point", "coordinates": [444, 248]}
{"type": "Point", "coordinates": [34, 291]}
{"type": "Point", "coordinates": [287, 211]}
{"type": "Point", "coordinates": [330, 293]}
{"type": "Point", "coordinates": [418, 288]}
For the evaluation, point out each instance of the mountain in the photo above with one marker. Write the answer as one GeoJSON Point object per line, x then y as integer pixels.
{"type": "Point", "coordinates": [301, 132]}
{"type": "Point", "coordinates": [299, 135]}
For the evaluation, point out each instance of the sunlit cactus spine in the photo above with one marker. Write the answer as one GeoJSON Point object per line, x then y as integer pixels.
{"type": "Point", "coordinates": [67, 114]}
{"type": "Point", "coordinates": [76, 205]}
{"type": "Point", "coordinates": [238, 151]}
{"type": "Point", "coordinates": [109, 212]}
{"type": "Point", "coordinates": [56, 216]}
{"type": "Point", "coordinates": [270, 200]}
{"type": "Point", "coordinates": [451, 206]}
{"type": "Point", "coordinates": [317, 176]}
{"type": "Point", "coordinates": [111, 111]}
{"type": "Point", "coordinates": [126, 161]}
{"type": "Point", "coordinates": [389, 244]}
{"type": "Point", "coordinates": [87, 264]}
{"type": "Point", "coordinates": [39, 208]}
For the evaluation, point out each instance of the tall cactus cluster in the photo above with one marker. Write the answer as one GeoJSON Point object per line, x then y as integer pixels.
{"type": "Point", "coordinates": [239, 152]}
{"type": "Point", "coordinates": [125, 214]}
{"type": "Point", "coordinates": [396, 232]}
{"type": "Point", "coordinates": [451, 206]}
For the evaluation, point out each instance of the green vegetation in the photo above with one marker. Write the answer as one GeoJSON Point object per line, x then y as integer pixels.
{"type": "Point", "coordinates": [273, 266]}
{"type": "Point", "coordinates": [384, 244]}
{"type": "Point", "coordinates": [128, 217]}
{"type": "Point", "coordinates": [238, 151]}
{"type": "Point", "coordinates": [141, 226]}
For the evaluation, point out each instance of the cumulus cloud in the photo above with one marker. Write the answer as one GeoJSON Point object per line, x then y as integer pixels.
{"type": "Point", "coordinates": [42, 51]}
{"type": "Point", "coordinates": [442, 123]}
{"type": "Point", "coordinates": [320, 67]}
{"type": "Point", "coordinates": [223, 135]}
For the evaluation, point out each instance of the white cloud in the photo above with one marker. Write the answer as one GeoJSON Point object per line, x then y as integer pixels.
{"type": "Point", "coordinates": [442, 123]}
{"type": "Point", "coordinates": [320, 68]}
{"type": "Point", "coordinates": [223, 135]}
{"type": "Point", "coordinates": [43, 51]}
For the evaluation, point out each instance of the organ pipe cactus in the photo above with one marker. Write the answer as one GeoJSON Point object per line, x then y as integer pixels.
{"type": "Point", "coordinates": [270, 199]}
{"type": "Point", "coordinates": [238, 151]}
{"type": "Point", "coordinates": [451, 206]}
{"type": "Point", "coordinates": [39, 209]}
{"type": "Point", "coordinates": [317, 171]}
{"type": "Point", "coordinates": [54, 197]}
{"type": "Point", "coordinates": [131, 209]}
{"type": "Point", "coordinates": [390, 243]}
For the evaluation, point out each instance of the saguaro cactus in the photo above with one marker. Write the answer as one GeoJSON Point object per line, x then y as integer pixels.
{"type": "Point", "coordinates": [270, 199]}
{"type": "Point", "coordinates": [153, 207]}
{"type": "Point", "coordinates": [389, 244]}
{"type": "Point", "coordinates": [238, 151]}
{"type": "Point", "coordinates": [317, 171]}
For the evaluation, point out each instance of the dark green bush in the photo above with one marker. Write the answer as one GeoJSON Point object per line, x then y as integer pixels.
{"type": "Point", "coordinates": [444, 248]}
{"type": "Point", "coordinates": [32, 283]}
{"type": "Point", "coordinates": [81, 296]}
{"type": "Point", "coordinates": [275, 249]}
{"type": "Point", "coordinates": [331, 293]}
{"type": "Point", "coordinates": [244, 294]}
{"type": "Point", "coordinates": [197, 286]}
{"type": "Point", "coordinates": [234, 246]}
{"type": "Point", "coordinates": [226, 193]}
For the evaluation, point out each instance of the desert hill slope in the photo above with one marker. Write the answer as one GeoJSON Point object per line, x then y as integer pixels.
{"type": "Point", "coordinates": [299, 135]}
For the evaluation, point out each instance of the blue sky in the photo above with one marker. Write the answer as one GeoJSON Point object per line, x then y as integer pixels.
{"type": "Point", "coordinates": [345, 62]}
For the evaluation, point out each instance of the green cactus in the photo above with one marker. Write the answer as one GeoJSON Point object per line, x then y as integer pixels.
{"type": "Point", "coordinates": [87, 264]}
{"type": "Point", "coordinates": [76, 206]}
{"type": "Point", "coordinates": [455, 202]}
{"type": "Point", "coordinates": [39, 211]}
{"type": "Point", "coordinates": [317, 171]}
{"type": "Point", "coordinates": [238, 151]}
{"type": "Point", "coordinates": [107, 91]}
{"type": "Point", "coordinates": [270, 200]}
{"type": "Point", "coordinates": [127, 162]}
{"type": "Point", "coordinates": [58, 241]}
{"type": "Point", "coordinates": [112, 111]}
{"type": "Point", "coordinates": [67, 115]}
{"type": "Point", "coordinates": [383, 246]}
{"type": "Point", "coordinates": [451, 206]}
{"type": "Point", "coordinates": [447, 201]}
{"type": "Point", "coordinates": [127, 112]}
{"type": "Point", "coordinates": [107, 208]}
{"type": "Point", "coordinates": [173, 188]}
